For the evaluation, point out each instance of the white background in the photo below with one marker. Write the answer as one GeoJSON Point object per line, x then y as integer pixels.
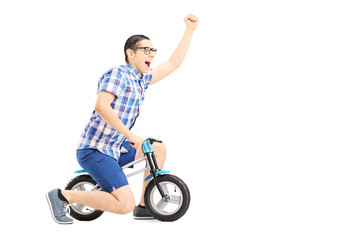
{"type": "Point", "coordinates": [261, 120]}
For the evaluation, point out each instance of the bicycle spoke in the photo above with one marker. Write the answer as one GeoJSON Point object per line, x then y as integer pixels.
{"type": "Point", "coordinates": [161, 205]}
{"type": "Point", "coordinates": [81, 188]}
{"type": "Point", "coordinates": [171, 205]}
{"type": "Point", "coordinates": [175, 199]}
{"type": "Point", "coordinates": [165, 189]}
{"type": "Point", "coordinates": [79, 207]}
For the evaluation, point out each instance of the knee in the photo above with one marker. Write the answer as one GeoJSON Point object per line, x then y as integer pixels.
{"type": "Point", "coordinates": [160, 149]}
{"type": "Point", "coordinates": [128, 208]}
{"type": "Point", "coordinates": [124, 200]}
{"type": "Point", "coordinates": [125, 208]}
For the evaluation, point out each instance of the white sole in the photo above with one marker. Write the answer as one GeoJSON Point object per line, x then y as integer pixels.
{"type": "Point", "coordinates": [143, 218]}
{"type": "Point", "coordinates": [52, 212]}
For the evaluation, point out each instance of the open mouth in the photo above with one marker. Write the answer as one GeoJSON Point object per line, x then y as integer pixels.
{"type": "Point", "coordinates": [148, 63]}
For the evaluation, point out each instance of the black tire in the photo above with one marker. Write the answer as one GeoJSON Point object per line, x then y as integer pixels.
{"type": "Point", "coordinates": [179, 200]}
{"type": "Point", "coordinates": [76, 210]}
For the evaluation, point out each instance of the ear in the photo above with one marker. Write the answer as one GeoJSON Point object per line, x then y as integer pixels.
{"type": "Point", "coordinates": [130, 53]}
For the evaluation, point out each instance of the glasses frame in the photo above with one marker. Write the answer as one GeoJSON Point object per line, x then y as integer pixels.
{"type": "Point", "coordinates": [154, 50]}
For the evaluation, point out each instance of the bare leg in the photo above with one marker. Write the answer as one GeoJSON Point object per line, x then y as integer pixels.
{"type": "Point", "coordinates": [120, 201]}
{"type": "Point", "coordinates": [160, 155]}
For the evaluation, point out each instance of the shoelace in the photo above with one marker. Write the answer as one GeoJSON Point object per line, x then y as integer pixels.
{"type": "Point", "coordinates": [66, 207]}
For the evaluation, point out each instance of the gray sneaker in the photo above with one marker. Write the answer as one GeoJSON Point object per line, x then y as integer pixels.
{"type": "Point", "coordinates": [141, 213]}
{"type": "Point", "coordinates": [58, 208]}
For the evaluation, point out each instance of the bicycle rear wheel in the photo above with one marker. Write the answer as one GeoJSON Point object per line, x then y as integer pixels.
{"type": "Point", "coordinates": [78, 211]}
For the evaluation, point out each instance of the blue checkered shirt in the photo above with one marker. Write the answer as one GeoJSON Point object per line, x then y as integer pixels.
{"type": "Point", "coordinates": [129, 87]}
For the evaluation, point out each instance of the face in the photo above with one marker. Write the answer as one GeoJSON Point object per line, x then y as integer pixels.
{"type": "Point", "coordinates": [138, 59]}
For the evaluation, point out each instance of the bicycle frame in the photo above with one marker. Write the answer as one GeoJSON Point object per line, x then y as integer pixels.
{"type": "Point", "coordinates": [151, 164]}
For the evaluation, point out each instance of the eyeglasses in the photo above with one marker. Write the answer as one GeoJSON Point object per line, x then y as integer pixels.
{"type": "Point", "coordinates": [147, 50]}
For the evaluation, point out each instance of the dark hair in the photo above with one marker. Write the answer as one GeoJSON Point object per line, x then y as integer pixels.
{"type": "Point", "coordinates": [132, 42]}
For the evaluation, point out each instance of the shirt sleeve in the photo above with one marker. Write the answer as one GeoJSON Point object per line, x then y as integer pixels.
{"type": "Point", "coordinates": [147, 78]}
{"type": "Point", "coordinates": [111, 82]}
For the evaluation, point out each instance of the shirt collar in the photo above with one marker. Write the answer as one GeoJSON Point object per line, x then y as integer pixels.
{"type": "Point", "coordinates": [134, 72]}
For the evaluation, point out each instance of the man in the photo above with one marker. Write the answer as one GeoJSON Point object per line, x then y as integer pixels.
{"type": "Point", "coordinates": [107, 143]}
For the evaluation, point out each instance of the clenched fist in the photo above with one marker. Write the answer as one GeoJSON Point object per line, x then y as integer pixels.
{"type": "Point", "coordinates": [191, 21]}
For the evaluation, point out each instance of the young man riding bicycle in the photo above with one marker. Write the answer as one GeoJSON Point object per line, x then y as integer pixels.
{"type": "Point", "coordinates": [107, 143]}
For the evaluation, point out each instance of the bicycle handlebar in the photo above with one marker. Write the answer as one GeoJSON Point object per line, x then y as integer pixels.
{"type": "Point", "coordinates": [146, 145]}
{"type": "Point", "coordinates": [151, 140]}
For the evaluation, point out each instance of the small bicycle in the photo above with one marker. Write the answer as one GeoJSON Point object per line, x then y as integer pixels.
{"type": "Point", "coordinates": [167, 197]}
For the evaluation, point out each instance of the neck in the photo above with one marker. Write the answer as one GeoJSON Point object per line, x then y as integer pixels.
{"type": "Point", "coordinates": [131, 64]}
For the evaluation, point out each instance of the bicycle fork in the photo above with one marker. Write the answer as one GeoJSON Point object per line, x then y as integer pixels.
{"type": "Point", "coordinates": [154, 168]}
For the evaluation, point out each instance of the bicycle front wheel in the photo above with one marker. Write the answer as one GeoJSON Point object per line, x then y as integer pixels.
{"type": "Point", "coordinates": [177, 203]}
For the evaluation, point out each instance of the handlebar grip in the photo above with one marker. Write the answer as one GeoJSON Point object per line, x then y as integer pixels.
{"type": "Point", "coordinates": [152, 140]}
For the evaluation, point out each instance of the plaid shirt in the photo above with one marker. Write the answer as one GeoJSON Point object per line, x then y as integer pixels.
{"type": "Point", "coordinates": [129, 87]}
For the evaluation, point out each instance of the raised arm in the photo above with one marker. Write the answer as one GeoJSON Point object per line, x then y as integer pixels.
{"type": "Point", "coordinates": [179, 54]}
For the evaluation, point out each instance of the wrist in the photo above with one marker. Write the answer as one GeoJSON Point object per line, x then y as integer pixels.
{"type": "Point", "coordinates": [189, 30]}
{"type": "Point", "coordinates": [128, 134]}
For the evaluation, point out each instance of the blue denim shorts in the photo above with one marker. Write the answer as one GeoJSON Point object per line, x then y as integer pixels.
{"type": "Point", "coordinates": [105, 170]}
